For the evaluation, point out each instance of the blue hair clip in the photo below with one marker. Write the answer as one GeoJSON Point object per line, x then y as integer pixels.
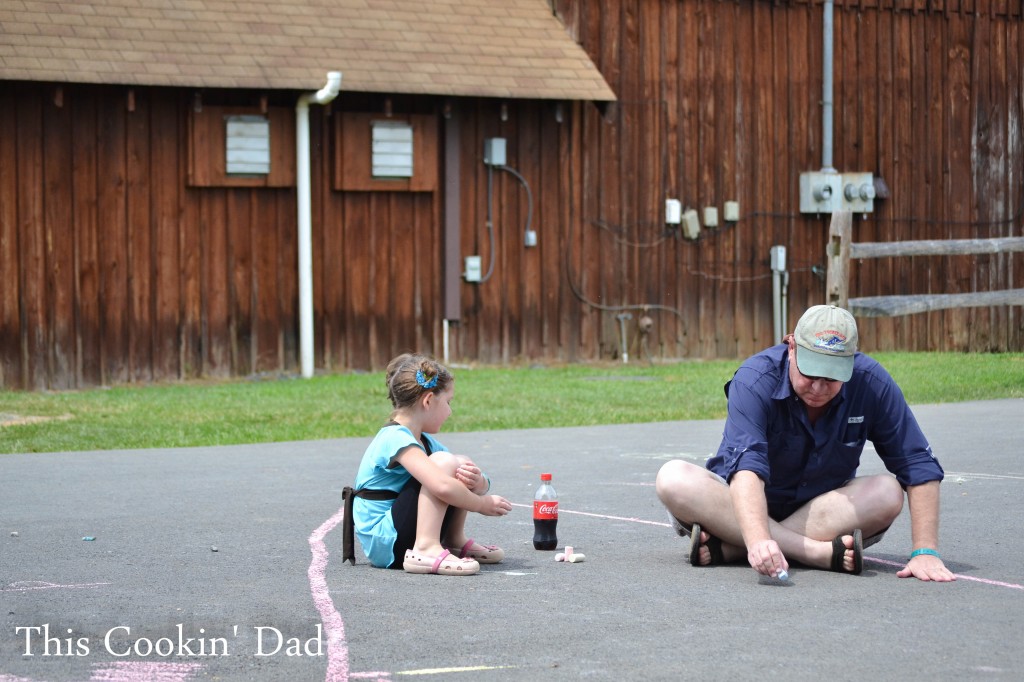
{"type": "Point", "coordinates": [421, 379]}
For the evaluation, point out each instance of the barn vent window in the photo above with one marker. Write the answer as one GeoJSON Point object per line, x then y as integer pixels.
{"type": "Point", "coordinates": [248, 145]}
{"type": "Point", "coordinates": [392, 149]}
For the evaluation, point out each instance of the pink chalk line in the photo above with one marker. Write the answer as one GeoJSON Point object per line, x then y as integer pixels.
{"type": "Point", "coordinates": [131, 671]}
{"type": "Point", "coordinates": [143, 671]}
{"type": "Point", "coordinates": [26, 585]}
{"type": "Point", "coordinates": [959, 576]}
{"type": "Point", "coordinates": [337, 647]}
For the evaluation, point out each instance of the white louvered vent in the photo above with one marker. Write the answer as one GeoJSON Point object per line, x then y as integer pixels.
{"type": "Point", "coordinates": [392, 149]}
{"type": "Point", "coordinates": [248, 145]}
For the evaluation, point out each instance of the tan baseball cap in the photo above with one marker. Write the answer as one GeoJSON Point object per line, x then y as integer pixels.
{"type": "Point", "coordinates": [826, 341]}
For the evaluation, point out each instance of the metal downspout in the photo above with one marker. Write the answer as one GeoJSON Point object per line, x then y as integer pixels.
{"type": "Point", "coordinates": [828, 57]}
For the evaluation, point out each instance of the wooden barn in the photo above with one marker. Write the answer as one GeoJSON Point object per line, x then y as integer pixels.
{"type": "Point", "coordinates": [186, 192]}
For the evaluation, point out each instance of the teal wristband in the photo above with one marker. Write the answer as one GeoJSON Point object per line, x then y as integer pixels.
{"type": "Point", "coordinates": [924, 550]}
{"type": "Point", "coordinates": [488, 479]}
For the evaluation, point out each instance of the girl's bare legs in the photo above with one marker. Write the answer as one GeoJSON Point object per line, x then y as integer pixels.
{"type": "Point", "coordinates": [431, 512]}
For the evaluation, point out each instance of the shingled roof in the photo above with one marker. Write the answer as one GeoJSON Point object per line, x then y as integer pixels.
{"type": "Point", "coordinates": [485, 48]}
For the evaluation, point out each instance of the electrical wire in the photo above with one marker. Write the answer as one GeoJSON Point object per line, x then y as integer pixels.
{"type": "Point", "coordinates": [616, 231]}
{"type": "Point", "coordinates": [490, 223]}
{"type": "Point", "coordinates": [490, 210]}
{"type": "Point", "coordinates": [568, 266]}
{"type": "Point", "coordinates": [529, 194]}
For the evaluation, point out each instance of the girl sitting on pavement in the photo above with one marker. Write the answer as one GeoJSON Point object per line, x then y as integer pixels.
{"type": "Point", "coordinates": [411, 494]}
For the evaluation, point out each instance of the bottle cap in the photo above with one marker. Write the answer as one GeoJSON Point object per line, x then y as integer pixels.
{"type": "Point", "coordinates": [545, 477]}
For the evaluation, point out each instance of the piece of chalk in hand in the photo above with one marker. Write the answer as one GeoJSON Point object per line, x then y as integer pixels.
{"type": "Point", "coordinates": [782, 574]}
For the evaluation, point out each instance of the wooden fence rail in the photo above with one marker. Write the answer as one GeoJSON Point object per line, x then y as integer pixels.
{"type": "Point", "coordinates": [841, 250]}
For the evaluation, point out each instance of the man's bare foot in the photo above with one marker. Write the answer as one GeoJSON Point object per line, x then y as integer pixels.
{"type": "Point", "coordinates": [848, 553]}
{"type": "Point", "coordinates": [705, 549]}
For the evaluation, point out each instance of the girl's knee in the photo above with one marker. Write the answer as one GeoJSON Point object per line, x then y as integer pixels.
{"type": "Point", "coordinates": [447, 461]}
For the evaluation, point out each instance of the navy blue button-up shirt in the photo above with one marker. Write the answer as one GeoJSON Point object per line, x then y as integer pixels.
{"type": "Point", "coordinates": [767, 432]}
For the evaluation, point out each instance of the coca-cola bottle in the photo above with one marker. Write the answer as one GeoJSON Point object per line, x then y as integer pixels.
{"type": "Point", "coordinates": [545, 515]}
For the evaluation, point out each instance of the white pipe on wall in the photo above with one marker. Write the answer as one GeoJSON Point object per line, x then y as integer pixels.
{"type": "Point", "coordinates": [780, 287]}
{"type": "Point", "coordinates": [444, 341]}
{"type": "Point", "coordinates": [305, 236]}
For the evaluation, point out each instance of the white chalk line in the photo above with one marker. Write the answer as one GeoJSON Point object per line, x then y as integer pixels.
{"type": "Point", "coordinates": [144, 671]}
{"type": "Point", "coordinates": [337, 648]}
{"type": "Point", "coordinates": [631, 519]}
{"type": "Point", "coordinates": [959, 576]}
{"type": "Point", "coordinates": [996, 477]}
{"type": "Point", "coordinates": [29, 585]}
{"type": "Point", "coordinates": [465, 669]}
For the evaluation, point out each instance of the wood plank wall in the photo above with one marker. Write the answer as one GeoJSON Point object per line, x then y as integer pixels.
{"type": "Point", "coordinates": [113, 269]}
{"type": "Point", "coordinates": [927, 96]}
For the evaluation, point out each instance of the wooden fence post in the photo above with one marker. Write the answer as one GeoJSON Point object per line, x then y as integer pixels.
{"type": "Point", "coordinates": [840, 250]}
{"type": "Point", "coordinates": [837, 254]}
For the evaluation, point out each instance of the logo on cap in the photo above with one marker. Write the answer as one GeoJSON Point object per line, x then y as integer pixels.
{"type": "Point", "coordinates": [830, 340]}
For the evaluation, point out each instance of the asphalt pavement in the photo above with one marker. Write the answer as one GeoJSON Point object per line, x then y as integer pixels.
{"type": "Point", "coordinates": [225, 564]}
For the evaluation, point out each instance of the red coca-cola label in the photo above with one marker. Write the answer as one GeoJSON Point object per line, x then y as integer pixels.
{"type": "Point", "coordinates": [545, 509]}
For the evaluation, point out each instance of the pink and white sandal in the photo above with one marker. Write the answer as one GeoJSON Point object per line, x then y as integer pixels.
{"type": "Point", "coordinates": [486, 554]}
{"type": "Point", "coordinates": [444, 563]}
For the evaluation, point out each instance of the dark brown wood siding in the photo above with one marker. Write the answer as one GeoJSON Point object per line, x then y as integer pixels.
{"type": "Point", "coordinates": [114, 268]}
{"type": "Point", "coordinates": [927, 96]}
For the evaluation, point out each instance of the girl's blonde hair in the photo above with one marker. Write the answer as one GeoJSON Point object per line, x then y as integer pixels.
{"type": "Point", "coordinates": [410, 375]}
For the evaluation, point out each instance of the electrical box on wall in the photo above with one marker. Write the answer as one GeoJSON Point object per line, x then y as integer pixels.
{"type": "Point", "coordinates": [710, 216]}
{"type": "Point", "coordinates": [820, 192]}
{"type": "Point", "coordinates": [472, 273]}
{"type": "Point", "coordinates": [732, 211]}
{"type": "Point", "coordinates": [778, 258]}
{"type": "Point", "coordinates": [690, 224]}
{"type": "Point", "coordinates": [673, 211]}
{"type": "Point", "coordinates": [494, 151]}
{"type": "Point", "coordinates": [858, 192]}
{"type": "Point", "coordinates": [825, 192]}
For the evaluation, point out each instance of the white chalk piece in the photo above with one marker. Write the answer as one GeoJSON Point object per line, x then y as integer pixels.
{"type": "Point", "coordinates": [560, 556]}
{"type": "Point", "coordinates": [214, 549]}
{"type": "Point", "coordinates": [576, 558]}
{"type": "Point", "coordinates": [14, 533]}
{"type": "Point", "coordinates": [782, 574]}
{"type": "Point", "coordinates": [88, 538]}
